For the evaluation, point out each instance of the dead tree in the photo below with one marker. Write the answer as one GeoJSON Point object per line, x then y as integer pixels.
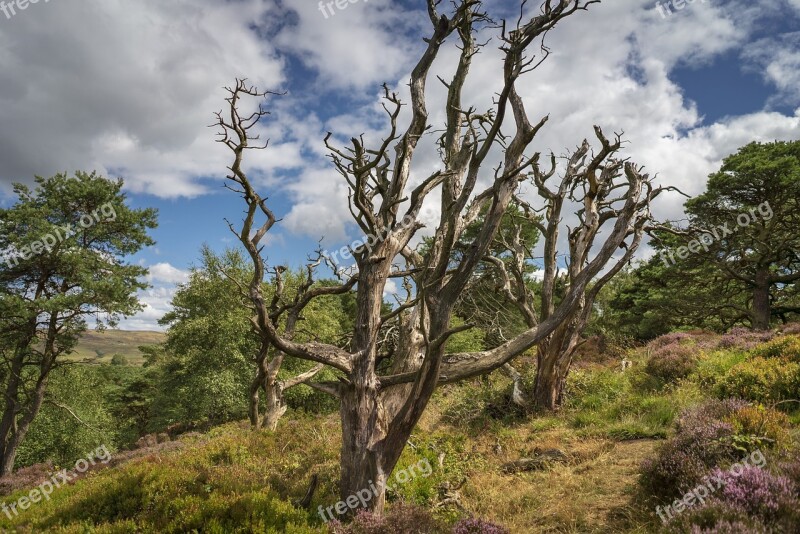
{"type": "Point", "coordinates": [381, 406]}
{"type": "Point", "coordinates": [597, 183]}
{"type": "Point", "coordinates": [281, 313]}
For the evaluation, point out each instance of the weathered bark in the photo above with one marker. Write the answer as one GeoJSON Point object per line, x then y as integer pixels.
{"type": "Point", "coordinates": [254, 398]}
{"type": "Point", "coordinates": [762, 310]}
{"type": "Point", "coordinates": [235, 133]}
{"type": "Point", "coordinates": [551, 374]}
{"type": "Point", "coordinates": [362, 455]}
{"type": "Point", "coordinates": [379, 412]}
{"type": "Point", "coordinates": [275, 404]}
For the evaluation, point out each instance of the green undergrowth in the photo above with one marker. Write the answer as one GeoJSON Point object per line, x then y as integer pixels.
{"type": "Point", "coordinates": [234, 480]}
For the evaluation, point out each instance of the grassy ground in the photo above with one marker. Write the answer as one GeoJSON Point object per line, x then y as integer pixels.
{"type": "Point", "coordinates": [100, 347]}
{"type": "Point", "coordinates": [232, 476]}
{"type": "Point", "coordinates": [232, 480]}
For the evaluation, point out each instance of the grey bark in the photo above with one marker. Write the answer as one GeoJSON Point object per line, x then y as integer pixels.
{"type": "Point", "coordinates": [379, 410]}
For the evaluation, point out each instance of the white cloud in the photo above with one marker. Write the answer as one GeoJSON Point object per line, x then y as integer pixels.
{"type": "Point", "coordinates": [126, 88]}
{"type": "Point", "coordinates": [778, 61]}
{"type": "Point", "coordinates": [358, 47]}
{"type": "Point", "coordinates": [129, 88]}
{"type": "Point", "coordinates": [166, 273]}
{"type": "Point", "coordinates": [609, 67]}
{"type": "Point", "coordinates": [157, 302]}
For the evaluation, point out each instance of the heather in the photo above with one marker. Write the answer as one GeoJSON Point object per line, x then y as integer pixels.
{"type": "Point", "coordinates": [703, 439]}
{"type": "Point", "coordinates": [744, 339]}
{"type": "Point", "coordinates": [672, 362]}
{"type": "Point", "coordinates": [495, 469]}
{"type": "Point", "coordinates": [752, 499]}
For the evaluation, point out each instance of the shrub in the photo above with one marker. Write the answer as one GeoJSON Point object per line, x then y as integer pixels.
{"type": "Point", "coordinates": [400, 518]}
{"type": "Point", "coordinates": [672, 362]}
{"type": "Point", "coordinates": [477, 526]}
{"type": "Point", "coordinates": [787, 347]}
{"type": "Point", "coordinates": [756, 492]}
{"type": "Point", "coordinates": [673, 338]}
{"type": "Point", "coordinates": [791, 328]}
{"type": "Point", "coordinates": [703, 440]}
{"type": "Point", "coordinates": [712, 369]}
{"type": "Point", "coordinates": [744, 339]}
{"type": "Point", "coordinates": [591, 390]}
{"type": "Point", "coordinates": [750, 500]}
{"type": "Point", "coordinates": [791, 470]}
{"type": "Point", "coordinates": [758, 427]}
{"type": "Point", "coordinates": [715, 518]}
{"type": "Point", "coordinates": [119, 359]}
{"type": "Point", "coordinates": [761, 380]}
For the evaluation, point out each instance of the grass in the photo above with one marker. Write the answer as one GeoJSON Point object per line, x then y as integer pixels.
{"type": "Point", "coordinates": [233, 480]}
{"type": "Point", "coordinates": [100, 347]}
{"type": "Point", "coordinates": [236, 481]}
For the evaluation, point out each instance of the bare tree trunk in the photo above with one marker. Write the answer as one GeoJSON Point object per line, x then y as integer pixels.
{"type": "Point", "coordinates": [761, 304]}
{"type": "Point", "coordinates": [551, 375]}
{"type": "Point", "coordinates": [254, 399]}
{"type": "Point", "coordinates": [554, 358]}
{"type": "Point", "coordinates": [378, 413]}
{"type": "Point", "coordinates": [362, 458]}
{"type": "Point", "coordinates": [276, 406]}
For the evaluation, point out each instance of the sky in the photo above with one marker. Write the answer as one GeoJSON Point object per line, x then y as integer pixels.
{"type": "Point", "coordinates": [129, 89]}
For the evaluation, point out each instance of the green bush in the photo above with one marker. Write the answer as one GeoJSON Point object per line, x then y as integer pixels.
{"type": "Point", "coordinates": [711, 369]}
{"type": "Point", "coordinates": [758, 427]}
{"type": "Point", "coordinates": [593, 389]}
{"type": "Point", "coordinates": [672, 363]}
{"type": "Point", "coordinates": [119, 359]}
{"type": "Point", "coordinates": [762, 380]}
{"type": "Point", "coordinates": [787, 347]}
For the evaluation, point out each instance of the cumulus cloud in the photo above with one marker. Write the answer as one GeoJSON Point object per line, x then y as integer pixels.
{"type": "Point", "coordinates": [611, 67]}
{"type": "Point", "coordinates": [126, 88]}
{"type": "Point", "coordinates": [156, 302]}
{"type": "Point", "coordinates": [166, 273]}
{"type": "Point", "coordinates": [778, 61]}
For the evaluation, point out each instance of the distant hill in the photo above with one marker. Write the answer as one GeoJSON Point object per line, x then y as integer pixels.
{"type": "Point", "coordinates": [100, 347]}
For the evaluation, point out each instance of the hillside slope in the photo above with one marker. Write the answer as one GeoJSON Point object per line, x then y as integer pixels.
{"type": "Point", "coordinates": [575, 471]}
{"type": "Point", "coordinates": [100, 347]}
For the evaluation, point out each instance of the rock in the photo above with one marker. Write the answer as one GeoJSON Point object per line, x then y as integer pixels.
{"type": "Point", "coordinates": [539, 460]}
{"type": "Point", "coordinates": [150, 440]}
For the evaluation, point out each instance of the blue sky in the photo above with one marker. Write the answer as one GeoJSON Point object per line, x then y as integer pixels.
{"type": "Point", "coordinates": [130, 88]}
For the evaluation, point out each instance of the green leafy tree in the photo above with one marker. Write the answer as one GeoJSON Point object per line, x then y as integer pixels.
{"type": "Point", "coordinates": [208, 369]}
{"type": "Point", "coordinates": [206, 359]}
{"type": "Point", "coordinates": [738, 261]}
{"type": "Point", "coordinates": [78, 415]}
{"type": "Point", "coordinates": [64, 245]}
{"type": "Point", "coordinates": [760, 183]}
{"type": "Point", "coordinates": [655, 298]}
